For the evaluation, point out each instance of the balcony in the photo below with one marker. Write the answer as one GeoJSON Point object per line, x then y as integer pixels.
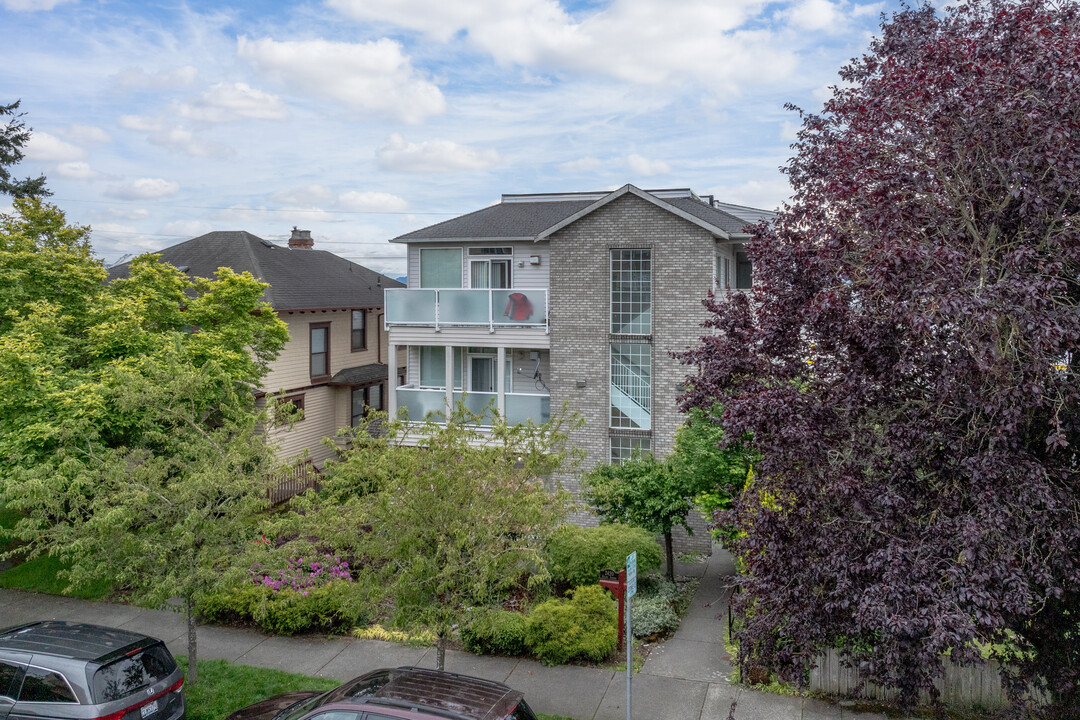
{"type": "Point", "coordinates": [490, 308]}
{"type": "Point", "coordinates": [520, 407]}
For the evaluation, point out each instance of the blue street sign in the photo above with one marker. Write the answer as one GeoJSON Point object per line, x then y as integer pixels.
{"type": "Point", "coordinates": [631, 575]}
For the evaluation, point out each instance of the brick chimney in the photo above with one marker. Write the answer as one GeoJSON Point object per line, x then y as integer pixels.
{"type": "Point", "coordinates": [301, 240]}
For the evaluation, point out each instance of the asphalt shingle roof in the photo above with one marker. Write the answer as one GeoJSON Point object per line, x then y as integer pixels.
{"type": "Point", "coordinates": [526, 219]}
{"type": "Point", "coordinates": [360, 374]}
{"type": "Point", "coordinates": [299, 279]}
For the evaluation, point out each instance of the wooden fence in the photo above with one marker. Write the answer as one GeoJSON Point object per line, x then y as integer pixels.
{"type": "Point", "coordinates": [298, 479]}
{"type": "Point", "coordinates": [960, 686]}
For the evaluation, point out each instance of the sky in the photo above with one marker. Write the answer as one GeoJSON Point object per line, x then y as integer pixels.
{"type": "Point", "coordinates": [360, 120]}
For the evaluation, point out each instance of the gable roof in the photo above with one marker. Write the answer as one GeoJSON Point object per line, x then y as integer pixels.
{"type": "Point", "coordinates": [535, 217]}
{"type": "Point", "coordinates": [299, 279]}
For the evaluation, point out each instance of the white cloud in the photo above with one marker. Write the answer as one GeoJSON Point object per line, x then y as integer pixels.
{"type": "Point", "coordinates": [763, 194]}
{"type": "Point", "coordinates": [639, 41]}
{"type": "Point", "coordinates": [432, 156]}
{"type": "Point", "coordinates": [373, 77]}
{"type": "Point", "coordinates": [371, 202]}
{"type": "Point", "coordinates": [174, 137]}
{"type": "Point", "coordinates": [187, 228]}
{"type": "Point", "coordinates": [643, 166]}
{"type": "Point", "coordinates": [86, 135]}
{"type": "Point", "coordinates": [48, 148]}
{"type": "Point", "coordinates": [139, 79]}
{"type": "Point", "coordinates": [584, 165]}
{"type": "Point", "coordinates": [126, 213]}
{"type": "Point", "coordinates": [224, 102]}
{"type": "Point", "coordinates": [32, 5]}
{"type": "Point", "coordinates": [144, 189]}
{"type": "Point", "coordinates": [817, 15]}
{"type": "Point", "coordinates": [76, 171]}
{"type": "Point", "coordinates": [306, 196]}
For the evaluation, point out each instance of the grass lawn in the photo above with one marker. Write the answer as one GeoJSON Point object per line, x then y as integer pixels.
{"type": "Point", "coordinates": [41, 573]}
{"type": "Point", "coordinates": [225, 687]}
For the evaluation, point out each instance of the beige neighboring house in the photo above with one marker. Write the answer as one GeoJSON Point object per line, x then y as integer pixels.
{"type": "Point", "coordinates": [336, 363]}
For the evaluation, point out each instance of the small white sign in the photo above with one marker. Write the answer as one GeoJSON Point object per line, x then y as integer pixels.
{"type": "Point", "coordinates": [631, 575]}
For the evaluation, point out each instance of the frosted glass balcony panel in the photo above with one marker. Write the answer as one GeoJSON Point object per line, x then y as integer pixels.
{"type": "Point", "coordinates": [410, 307]}
{"type": "Point", "coordinates": [421, 402]}
{"type": "Point", "coordinates": [521, 407]}
{"type": "Point", "coordinates": [519, 306]}
{"type": "Point", "coordinates": [466, 307]}
{"type": "Point", "coordinates": [477, 402]}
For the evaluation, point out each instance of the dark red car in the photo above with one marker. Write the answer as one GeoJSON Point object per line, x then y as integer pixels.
{"type": "Point", "coordinates": [408, 693]}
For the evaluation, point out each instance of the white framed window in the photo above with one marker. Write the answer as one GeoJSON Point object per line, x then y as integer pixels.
{"type": "Point", "coordinates": [440, 267]}
{"type": "Point", "coordinates": [631, 386]}
{"type": "Point", "coordinates": [623, 447]}
{"type": "Point", "coordinates": [491, 267]}
{"type": "Point", "coordinates": [631, 292]}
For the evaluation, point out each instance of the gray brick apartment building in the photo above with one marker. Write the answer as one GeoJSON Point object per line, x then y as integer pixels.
{"type": "Point", "coordinates": [582, 297]}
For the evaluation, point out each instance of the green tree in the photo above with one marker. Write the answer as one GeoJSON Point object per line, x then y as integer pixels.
{"type": "Point", "coordinates": [13, 136]}
{"type": "Point", "coordinates": [130, 437]}
{"type": "Point", "coordinates": [642, 491]}
{"type": "Point", "coordinates": [448, 516]}
{"type": "Point", "coordinates": [714, 471]}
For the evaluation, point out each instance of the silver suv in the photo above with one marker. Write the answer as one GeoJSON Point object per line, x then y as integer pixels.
{"type": "Point", "coordinates": [73, 671]}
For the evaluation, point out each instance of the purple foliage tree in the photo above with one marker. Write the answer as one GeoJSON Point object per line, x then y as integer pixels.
{"type": "Point", "coordinates": [907, 363]}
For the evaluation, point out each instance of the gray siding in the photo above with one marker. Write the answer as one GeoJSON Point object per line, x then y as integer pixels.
{"type": "Point", "coordinates": [524, 274]}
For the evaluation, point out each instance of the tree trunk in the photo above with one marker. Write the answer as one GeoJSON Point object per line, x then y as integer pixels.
{"type": "Point", "coordinates": [440, 652]}
{"type": "Point", "coordinates": [192, 647]}
{"type": "Point", "coordinates": [670, 556]}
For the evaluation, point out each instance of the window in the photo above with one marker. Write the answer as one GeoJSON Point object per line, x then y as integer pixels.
{"type": "Point", "coordinates": [490, 272]}
{"type": "Point", "coordinates": [8, 673]}
{"type": "Point", "coordinates": [359, 330]}
{"type": "Point", "coordinates": [364, 400]}
{"type": "Point", "coordinates": [41, 685]}
{"type": "Point", "coordinates": [320, 351]}
{"type": "Point", "coordinates": [631, 292]}
{"type": "Point", "coordinates": [440, 268]}
{"type": "Point", "coordinates": [723, 272]}
{"type": "Point", "coordinates": [119, 679]}
{"type": "Point", "coordinates": [433, 366]}
{"type": "Point", "coordinates": [623, 447]}
{"type": "Point", "coordinates": [290, 408]}
{"type": "Point", "coordinates": [744, 272]}
{"type": "Point", "coordinates": [631, 386]}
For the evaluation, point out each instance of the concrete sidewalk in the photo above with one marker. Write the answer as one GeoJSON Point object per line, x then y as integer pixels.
{"type": "Point", "coordinates": [684, 678]}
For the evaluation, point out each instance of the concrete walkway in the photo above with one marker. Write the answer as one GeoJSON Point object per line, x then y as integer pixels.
{"type": "Point", "coordinates": [684, 678]}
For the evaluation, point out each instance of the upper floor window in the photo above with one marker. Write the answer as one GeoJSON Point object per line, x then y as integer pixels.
{"type": "Point", "coordinates": [631, 292]}
{"type": "Point", "coordinates": [490, 267]}
{"type": "Point", "coordinates": [723, 272]}
{"type": "Point", "coordinates": [359, 330]}
{"type": "Point", "coordinates": [440, 267]}
{"type": "Point", "coordinates": [320, 350]}
{"type": "Point", "coordinates": [744, 271]}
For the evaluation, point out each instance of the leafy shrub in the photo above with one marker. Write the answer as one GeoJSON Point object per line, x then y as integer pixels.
{"type": "Point", "coordinates": [422, 638]}
{"type": "Point", "coordinates": [581, 628]}
{"type": "Point", "coordinates": [652, 615]}
{"type": "Point", "coordinates": [334, 607]}
{"type": "Point", "coordinates": [576, 555]}
{"type": "Point", "coordinates": [495, 632]}
{"type": "Point", "coordinates": [657, 586]}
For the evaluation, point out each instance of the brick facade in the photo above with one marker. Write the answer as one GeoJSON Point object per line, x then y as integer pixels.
{"type": "Point", "coordinates": [682, 272]}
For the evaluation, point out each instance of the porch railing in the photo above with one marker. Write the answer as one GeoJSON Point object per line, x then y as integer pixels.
{"type": "Point", "coordinates": [490, 308]}
{"type": "Point", "coordinates": [295, 481]}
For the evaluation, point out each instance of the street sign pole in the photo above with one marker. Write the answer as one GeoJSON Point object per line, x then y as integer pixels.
{"type": "Point", "coordinates": [631, 591]}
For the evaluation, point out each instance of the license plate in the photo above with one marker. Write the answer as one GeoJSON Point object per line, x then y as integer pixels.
{"type": "Point", "coordinates": [148, 709]}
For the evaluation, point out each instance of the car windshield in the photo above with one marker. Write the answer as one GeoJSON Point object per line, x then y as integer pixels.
{"type": "Point", "coordinates": [298, 709]}
{"type": "Point", "coordinates": [127, 675]}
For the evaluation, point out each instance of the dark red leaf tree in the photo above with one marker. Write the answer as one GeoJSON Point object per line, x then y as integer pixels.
{"type": "Point", "coordinates": [907, 363]}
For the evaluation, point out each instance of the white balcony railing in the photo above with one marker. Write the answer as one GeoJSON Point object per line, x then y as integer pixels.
{"type": "Point", "coordinates": [520, 407]}
{"type": "Point", "coordinates": [490, 308]}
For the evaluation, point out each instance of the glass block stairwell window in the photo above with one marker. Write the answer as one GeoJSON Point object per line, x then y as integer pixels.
{"type": "Point", "coordinates": [631, 292]}
{"type": "Point", "coordinates": [631, 386]}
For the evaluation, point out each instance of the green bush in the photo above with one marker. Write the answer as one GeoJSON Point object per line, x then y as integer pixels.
{"type": "Point", "coordinates": [495, 632]}
{"type": "Point", "coordinates": [652, 615]}
{"type": "Point", "coordinates": [581, 628]}
{"type": "Point", "coordinates": [576, 555]}
{"type": "Point", "coordinates": [657, 586]}
{"type": "Point", "coordinates": [334, 607]}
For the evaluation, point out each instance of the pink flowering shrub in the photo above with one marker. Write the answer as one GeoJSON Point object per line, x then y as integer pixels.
{"type": "Point", "coordinates": [299, 574]}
